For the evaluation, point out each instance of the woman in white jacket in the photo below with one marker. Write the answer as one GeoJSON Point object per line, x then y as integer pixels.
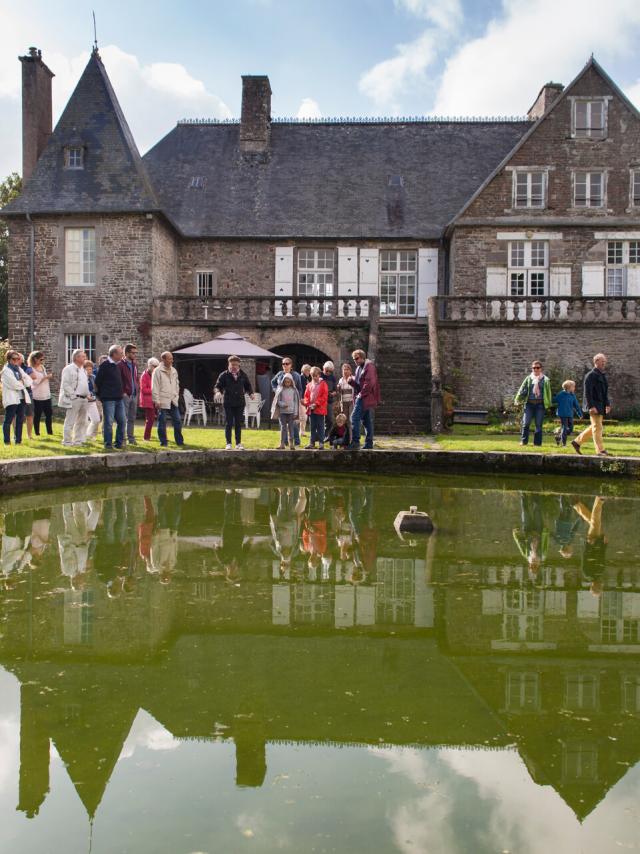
{"type": "Point", "coordinates": [15, 395]}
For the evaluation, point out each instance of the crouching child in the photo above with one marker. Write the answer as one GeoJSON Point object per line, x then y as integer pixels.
{"type": "Point", "coordinates": [340, 433]}
{"type": "Point", "coordinates": [567, 405]}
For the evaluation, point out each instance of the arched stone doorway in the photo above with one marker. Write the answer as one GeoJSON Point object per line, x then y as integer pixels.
{"type": "Point", "coordinates": [301, 354]}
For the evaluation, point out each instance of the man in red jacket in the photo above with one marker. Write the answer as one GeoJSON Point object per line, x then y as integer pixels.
{"type": "Point", "coordinates": [367, 389]}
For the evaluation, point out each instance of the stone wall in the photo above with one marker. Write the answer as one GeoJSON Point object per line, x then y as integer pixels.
{"type": "Point", "coordinates": [116, 309]}
{"type": "Point", "coordinates": [551, 145]}
{"type": "Point", "coordinates": [484, 364]}
{"type": "Point", "coordinates": [474, 248]}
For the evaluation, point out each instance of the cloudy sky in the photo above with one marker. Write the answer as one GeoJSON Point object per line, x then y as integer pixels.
{"type": "Point", "coordinates": [336, 58]}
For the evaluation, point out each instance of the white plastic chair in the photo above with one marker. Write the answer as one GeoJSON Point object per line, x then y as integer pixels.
{"type": "Point", "coordinates": [194, 407]}
{"type": "Point", "coordinates": [252, 409]}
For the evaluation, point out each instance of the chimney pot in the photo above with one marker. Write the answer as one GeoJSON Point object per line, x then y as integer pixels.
{"type": "Point", "coordinates": [36, 109]}
{"type": "Point", "coordinates": [255, 117]}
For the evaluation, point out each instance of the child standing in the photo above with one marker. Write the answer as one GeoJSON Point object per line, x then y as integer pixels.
{"type": "Point", "coordinates": [567, 404]}
{"type": "Point", "coordinates": [286, 407]}
{"type": "Point", "coordinates": [316, 399]}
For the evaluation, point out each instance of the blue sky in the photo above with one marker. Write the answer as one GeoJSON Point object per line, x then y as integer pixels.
{"type": "Point", "coordinates": [334, 58]}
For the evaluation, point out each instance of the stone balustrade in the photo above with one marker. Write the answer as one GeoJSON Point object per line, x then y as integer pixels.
{"type": "Point", "coordinates": [176, 309]}
{"type": "Point", "coordinates": [492, 309]}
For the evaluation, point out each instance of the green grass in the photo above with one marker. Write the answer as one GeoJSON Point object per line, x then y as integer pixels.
{"type": "Point", "coordinates": [196, 438]}
{"type": "Point", "coordinates": [620, 439]}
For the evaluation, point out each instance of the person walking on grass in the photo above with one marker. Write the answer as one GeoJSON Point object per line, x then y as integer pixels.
{"type": "Point", "coordinates": [165, 391]}
{"type": "Point", "coordinates": [316, 399]}
{"type": "Point", "coordinates": [131, 389]}
{"type": "Point", "coordinates": [596, 396]}
{"type": "Point", "coordinates": [286, 408]}
{"type": "Point", "coordinates": [567, 405]}
{"type": "Point", "coordinates": [15, 394]}
{"type": "Point", "coordinates": [535, 393]}
{"type": "Point", "coordinates": [74, 394]}
{"type": "Point", "coordinates": [146, 398]}
{"type": "Point", "coordinates": [109, 390]}
{"type": "Point", "coordinates": [41, 392]}
{"type": "Point", "coordinates": [233, 384]}
{"type": "Point", "coordinates": [367, 389]}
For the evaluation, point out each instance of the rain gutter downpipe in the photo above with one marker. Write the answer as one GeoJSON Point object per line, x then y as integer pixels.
{"type": "Point", "coordinates": [32, 284]}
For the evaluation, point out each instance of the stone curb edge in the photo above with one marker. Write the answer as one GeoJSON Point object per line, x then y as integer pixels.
{"type": "Point", "coordinates": [45, 472]}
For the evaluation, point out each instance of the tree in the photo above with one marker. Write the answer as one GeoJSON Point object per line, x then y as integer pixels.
{"type": "Point", "coordinates": [9, 189]}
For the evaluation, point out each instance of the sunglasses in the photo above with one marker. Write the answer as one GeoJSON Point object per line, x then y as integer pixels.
{"type": "Point", "coordinates": [536, 367]}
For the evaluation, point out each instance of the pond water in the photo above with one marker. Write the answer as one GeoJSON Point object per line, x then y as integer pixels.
{"type": "Point", "coordinates": [188, 668]}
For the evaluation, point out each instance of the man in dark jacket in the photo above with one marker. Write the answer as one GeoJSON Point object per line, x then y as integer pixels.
{"type": "Point", "coordinates": [367, 389]}
{"type": "Point", "coordinates": [233, 384]}
{"type": "Point", "coordinates": [596, 395]}
{"type": "Point", "coordinates": [109, 389]}
{"type": "Point", "coordinates": [131, 387]}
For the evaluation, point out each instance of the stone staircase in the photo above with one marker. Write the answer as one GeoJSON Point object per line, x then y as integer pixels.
{"type": "Point", "coordinates": [404, 371]}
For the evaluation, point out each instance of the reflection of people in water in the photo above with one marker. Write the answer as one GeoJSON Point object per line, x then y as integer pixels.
{"type": "Point", "coordinates": [532, 539]}
{"type": "Point", "coordinates": [285, 524]}
{"type": "Point", "coordinates": [14, 552]}
{"type": "Point", "coordinates": [366, 531]}
{"type": "Point", "coordinates": [231, 551]}
{"type": "Point", "coordinates": [40, 534]}
{"type": "Point", "coordinates": [595, 544]}
{"type": "Point", "coordinates": [565, 527]}
{"type": "Point", "coordinates": [80, 521]}
{"type": "Point", "coordinates": [113, 545]}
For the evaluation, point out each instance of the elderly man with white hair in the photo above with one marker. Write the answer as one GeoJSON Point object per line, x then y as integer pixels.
{"type": "Point", "coordinates": [74, 395]}
{"type": "Point", "coordinates": [329, 376]}
{"type": "Point", "coordinates": [165, 391]}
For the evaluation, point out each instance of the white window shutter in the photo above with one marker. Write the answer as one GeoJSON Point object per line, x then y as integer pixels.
{"type": "Point", "coordinates": [592, 280]}
{"type": "Point", "coordinates": [284, 271]}
{"type": "Point", "coordinates": [560, 281]}
{"type": "Point", "coordinates": [633, 281]}
{"type": "Point", "coordinates": [427, 278]}
{"type": "Point", "coordinates": [492, 601]}
{"type": "Point", "coordinates": [368, 272]}
{"type": "Point", "coordinates": [496, 281]}
{"type": "Point", "coordinates": [347, 271]}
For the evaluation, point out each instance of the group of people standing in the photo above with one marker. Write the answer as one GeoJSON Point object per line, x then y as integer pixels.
{"type": "Point", "coordinates": [336, 408]}
{"type": "Point", "coordinates": [536, 395]}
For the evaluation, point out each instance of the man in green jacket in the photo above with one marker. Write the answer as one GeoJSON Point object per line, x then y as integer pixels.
{"type": "Point", "coordinates": [535, 393]}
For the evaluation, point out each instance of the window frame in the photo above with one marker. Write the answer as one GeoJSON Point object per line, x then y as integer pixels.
{"type": "Point", "coordinates": [212, 287]}
{"type": "Point", "coordinates": [320, 281]}
{"type": "Point", "coordinates": [398, 276]}
{"type": "Point", "coordinates": [529, 173]}
{"type": "Point", "coordinates": [80, 341]}
{"type": "Point", "coordinates": [86, 256]}
{"type": "Point", "coordinates": [629, 256]}
{"type": "Point", "coordinates": [634, 187]}
{"type": "Point", "coordinates": [528, 272]}
{"type": "Point", "coordinates": [588, 198]}
{"type": "Point", "coordinates": [589, 134]}
{"type": "Point", "coordinates": [74, 153]}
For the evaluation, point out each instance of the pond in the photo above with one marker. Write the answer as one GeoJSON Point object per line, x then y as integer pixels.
{"type": "Point", "coordinates": [269, 666]}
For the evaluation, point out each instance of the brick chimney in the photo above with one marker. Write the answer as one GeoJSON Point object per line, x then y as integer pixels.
{"type": "Point", "coordinates": [36, 109]}
{"type": "Point", "coordinates": [547, 95]}
{"type": "Point", "coordinates": [255, 118]}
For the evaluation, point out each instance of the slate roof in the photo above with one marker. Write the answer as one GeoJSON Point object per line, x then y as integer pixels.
{"type": "Point", "coordinates": [326, 180]}
{"type": "Point", "coordinates": [317, 180]}
{"type": "Point", "coordinates": [113, 178]}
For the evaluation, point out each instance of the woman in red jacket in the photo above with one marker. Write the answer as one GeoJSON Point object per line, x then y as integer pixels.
{"type": "Point", "coordinates": [146, 401]}
{"type": "Point", "coordinates": [316, 399]}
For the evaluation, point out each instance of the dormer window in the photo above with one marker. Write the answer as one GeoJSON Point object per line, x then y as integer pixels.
{"type": "Point", "coordinates": [74, 157]}
{"type": "Point", "coordinates": [589, 118]}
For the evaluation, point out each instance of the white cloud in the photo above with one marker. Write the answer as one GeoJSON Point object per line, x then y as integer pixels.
{"type": "Point", "coordinates": [633, 93]}
{"type": "Point", "coordinates": [309, 109]}
{"type": "Point", "coordinates": [148, 734]}
{"type": "Point", "coordinates": [387, 81]}
{"type": "Point", "coordinates": [445, 14]}
{"type": "Point", "coordinates": [533, 41]}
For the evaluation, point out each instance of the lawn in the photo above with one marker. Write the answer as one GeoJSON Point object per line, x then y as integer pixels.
{"type": "Point", "coordinates": [621, 439]}
{"type": "Point", "coordinates": [196, 438]}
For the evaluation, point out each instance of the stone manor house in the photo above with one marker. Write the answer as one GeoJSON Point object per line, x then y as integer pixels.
{"type": "Point", "coordinates": [454, 251]}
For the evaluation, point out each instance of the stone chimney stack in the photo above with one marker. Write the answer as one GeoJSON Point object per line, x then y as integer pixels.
{"type": "Point", "coordinates": [36, 109]}
{"type": "Point", "coordinates": [255, 118]}
{"type": "Point", "coordinates": [547, 95]}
